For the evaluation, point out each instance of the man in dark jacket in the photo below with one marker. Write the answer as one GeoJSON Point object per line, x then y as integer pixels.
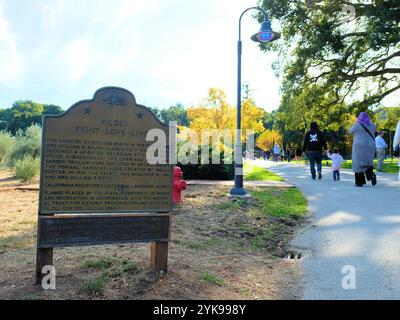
{"type": "Point", "coordinates": [313, 144]}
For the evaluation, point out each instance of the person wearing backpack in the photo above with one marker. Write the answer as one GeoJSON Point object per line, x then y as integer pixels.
{"type": "Point", "coordinates": [313, 144]}
{"type": "Point", "coordinates": [396, 144]}
{"type": "Point", "coordinates": [364, 147]}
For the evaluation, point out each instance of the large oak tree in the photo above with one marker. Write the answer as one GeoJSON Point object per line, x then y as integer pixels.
{"type": "Point", "coordinates": [334, 69]}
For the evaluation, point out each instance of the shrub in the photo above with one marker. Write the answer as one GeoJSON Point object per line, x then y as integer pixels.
{"type": "Point", "coordinates": [207, 172]}
{"type": "Point", "coordinates": [6, 146]}
{"type": "Point", "coordinates": [210, 171]}
{"type": "Point", "coordinates": [34, 135]}
{"type": "Point", "coordinates": [26, 143]}
{"type": "Point", "coordinates": [96, 286]}
{"type": "Point", "coordinates": [27, 168]}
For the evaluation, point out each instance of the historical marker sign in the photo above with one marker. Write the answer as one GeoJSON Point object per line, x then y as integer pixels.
{"type": "Point", "coordinates": [94, 159]}
{"type": "Point", "coordinates": [97, 186]}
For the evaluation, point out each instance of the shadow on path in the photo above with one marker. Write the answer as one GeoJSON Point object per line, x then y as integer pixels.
{"type": "Point", "coordinates": [358, 227]}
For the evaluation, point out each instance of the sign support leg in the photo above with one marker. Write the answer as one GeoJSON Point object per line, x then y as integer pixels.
{"type": "Point", "coordinates": [44, 257]}
{"type": "Point", "coordinates": [159, 256]}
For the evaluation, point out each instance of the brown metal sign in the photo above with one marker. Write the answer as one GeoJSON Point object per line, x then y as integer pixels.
{"type": "Point", "coordinates": [97, 184]}
{"type": "Point", "coordinates": [94, 159]}
{"type": "Point", "coordinates": [72, 231]}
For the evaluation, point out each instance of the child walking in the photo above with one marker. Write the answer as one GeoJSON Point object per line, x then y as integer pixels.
{"type": "Point", "coordinates": [337, 160]}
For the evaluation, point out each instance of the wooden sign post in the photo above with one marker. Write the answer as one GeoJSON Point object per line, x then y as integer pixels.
{"type": "Point", "coordinates": [96, 184]}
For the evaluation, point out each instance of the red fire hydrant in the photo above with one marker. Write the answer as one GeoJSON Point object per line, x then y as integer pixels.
{"type": "Point", "coordinates": [179, 185]}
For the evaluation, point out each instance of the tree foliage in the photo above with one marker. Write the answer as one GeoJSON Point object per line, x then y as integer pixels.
{"type": "Point", "coordinates": [216, 114]}
{"type": "Point", "coordinates": [25, 113]}
{"type": "Point", "coordinates": [332, 69]}
{"type": "Point", "coordinates": [387, 118]}
{"type": "Point", "coordinates": [267, 140]}
{"type": "Point", "coordinates": [175, 113]}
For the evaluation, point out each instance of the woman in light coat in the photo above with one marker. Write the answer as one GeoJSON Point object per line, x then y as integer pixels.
{"type": "Point", "coordinates": [363, 149]}
{"type": "Point", "coordinates": [396, 141]}
{"type": "Point", "coordinates": [277, 151]}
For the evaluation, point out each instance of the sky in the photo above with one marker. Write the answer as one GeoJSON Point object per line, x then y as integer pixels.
{"type": "Point", "coordinates": [164, 51]}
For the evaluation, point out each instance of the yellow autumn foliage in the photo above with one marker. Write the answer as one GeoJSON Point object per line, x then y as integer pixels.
{"type": "Point", "coordinates": [267, 140]}
{"type": "Point", "coordinates": [215, 113]}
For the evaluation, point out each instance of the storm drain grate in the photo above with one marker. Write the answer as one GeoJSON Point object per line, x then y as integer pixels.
{"type": "Point", "coordinates": [294, 256]}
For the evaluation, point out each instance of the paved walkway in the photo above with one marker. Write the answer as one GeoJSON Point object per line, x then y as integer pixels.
{"type": "Point", "coordinates": [282, 184]}
{"type": "Point", "coordinates": [358, 227]}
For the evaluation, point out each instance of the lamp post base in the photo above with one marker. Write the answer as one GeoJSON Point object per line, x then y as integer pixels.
{"type": "Point", "coordinates": [239, 192]}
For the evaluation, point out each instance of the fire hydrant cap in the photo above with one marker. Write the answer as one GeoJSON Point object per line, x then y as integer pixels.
{"type": "Point", "coordinates": [178, 172]}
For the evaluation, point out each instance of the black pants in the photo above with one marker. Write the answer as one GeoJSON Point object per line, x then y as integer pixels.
{"type": "Point", "coordinates": [360, 177]}
{"type": "Point", "coordinates": [315, 157]}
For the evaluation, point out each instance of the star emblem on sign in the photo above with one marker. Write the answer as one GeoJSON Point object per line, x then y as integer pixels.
{"type": "Point", "coordinates": [88, 111]}
{"type": "Point", "coordinates": [140, 115]}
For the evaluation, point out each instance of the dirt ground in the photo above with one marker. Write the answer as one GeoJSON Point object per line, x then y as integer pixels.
{"type": "Point", "coordinates": [215, 253]}
{"type": "Point", "coordinates": [7, 179]}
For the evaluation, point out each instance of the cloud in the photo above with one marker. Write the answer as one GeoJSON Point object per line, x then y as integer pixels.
{"type": "Point", "coordinates": [203, 54]}
{"type": "Point", "coordinates": [165, 51]}
{"type": "Point", "coordinates": [128, 9]}
{"type": "Point", "coordinates": [51, 14]}
{"type": "Point", "coordinates": [110, 36]}
{"type": "Point", "coordinates": [11, 63]}
{"type": "Point", "coordinates": [76, 56]}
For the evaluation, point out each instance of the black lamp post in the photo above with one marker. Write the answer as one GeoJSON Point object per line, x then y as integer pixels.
{"type": "Point", "coordinates": [266, 34]}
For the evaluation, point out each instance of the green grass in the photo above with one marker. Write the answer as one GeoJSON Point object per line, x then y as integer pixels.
{"type": "Point", "coordinates": [287, 203]}
{"type": "Point", "coordinates": [99, 264]}
{"type": "Point", "coordinates": [253, 173]}
{"type": "Point", "coordinates": [111, 268]}
{"type": "Point", "coordinates": [211, 278]}
{"type": "Point", "coordinates": [278, 209]}
{"type": "Point", "coordinates": [273, 201]}
{"type": "Point", "coordinates": [97, 285]}
{"type": "Point", "coordinates": [389, 166]}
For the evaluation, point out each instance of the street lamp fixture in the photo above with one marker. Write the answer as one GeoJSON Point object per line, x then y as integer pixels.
{"type": "Point", "coordinates": [265, 35]}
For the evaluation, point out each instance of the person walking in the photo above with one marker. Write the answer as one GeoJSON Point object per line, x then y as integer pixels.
{"type": "Point", "coordinates": [396, 142]}
{"type": "Point", "coordinates": [298, 154]}
{"type": "Point", "coordinates": [363, 150]}
{"type": "Point", "coordinates": [337, 160]}
{"type": "Point", "coordinates": [381, 147]}
{"type": "Point", "coordinates": [277, 152]}
{"type": "Point", "coordinates": [289, 155]}
{"type": "Point", "coordinates": [313, 144]}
